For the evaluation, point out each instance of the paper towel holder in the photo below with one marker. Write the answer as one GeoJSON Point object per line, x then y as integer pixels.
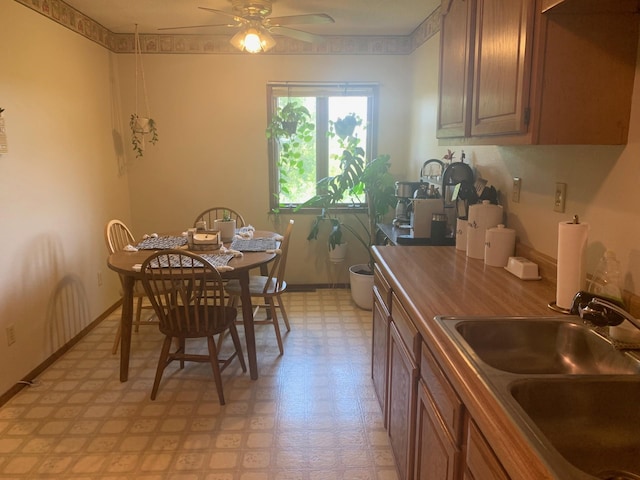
{"type": "Point", "coordinates": [553, 305]}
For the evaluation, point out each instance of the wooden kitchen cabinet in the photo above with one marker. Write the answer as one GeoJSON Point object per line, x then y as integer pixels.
{"type": "Point", "coordinates": [456, 67]}
{"type": "Point", "coordinates": [439, 424]}
{"type": "Point", "coordinates": [437, 456]}
{"type": "Point", "coordinates": [502, 69]}
{"type": "Point", "coordinates": [481, 462]}
{"type": "Point", "coordinates": [536, 71]}
{"type": "Point", "coordinates": [380, 338]}
{"type": "Point", "coordinates": [404, 345]}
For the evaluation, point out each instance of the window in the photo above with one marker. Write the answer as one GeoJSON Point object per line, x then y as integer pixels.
{"type": "Point", "coordinates": [298, 163]}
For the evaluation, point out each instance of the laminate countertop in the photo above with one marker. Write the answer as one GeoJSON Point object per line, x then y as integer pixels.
{"type": "Point", "coordinates": [431, 281]}
{"type": "Point", "coordinates": [444, 281]}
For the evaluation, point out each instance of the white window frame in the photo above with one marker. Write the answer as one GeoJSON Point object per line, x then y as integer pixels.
{"type": "Point", "coordinates": [277, 90]}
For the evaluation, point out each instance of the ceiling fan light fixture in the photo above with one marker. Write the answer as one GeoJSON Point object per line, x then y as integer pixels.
{"type": "Point", "coordinates": [253, 39]}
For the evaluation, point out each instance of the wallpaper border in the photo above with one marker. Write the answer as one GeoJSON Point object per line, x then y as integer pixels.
{"type": "Point", "coordinates": [69, 17]}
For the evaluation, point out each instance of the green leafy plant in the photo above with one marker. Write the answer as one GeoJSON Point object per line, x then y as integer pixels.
{"type": "Point", "coordinates": [292, 127]}
{"type": "Point", "coordinates": [138, 132]}
{"type": "Point", "coordinates": [369, 183]}
{"type": "Point", "coordinates": [226, 216]}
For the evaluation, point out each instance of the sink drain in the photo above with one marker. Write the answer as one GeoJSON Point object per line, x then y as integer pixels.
{"type": "Point", "coordinates": [618, 475]}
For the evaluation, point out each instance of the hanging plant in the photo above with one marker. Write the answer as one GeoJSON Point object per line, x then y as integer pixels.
{"type": "Point", "coordinates": [141, 126]}
{"type": "Point", "coordinates": [292, 128]}
{"type": "Point", "coordinates": [286, 121]}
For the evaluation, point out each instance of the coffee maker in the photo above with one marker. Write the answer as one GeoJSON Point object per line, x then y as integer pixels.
{"type": "Point", "coordinates": [404, 193]}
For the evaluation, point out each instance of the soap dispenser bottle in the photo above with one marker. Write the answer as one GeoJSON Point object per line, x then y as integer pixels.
{"type": "Point", "coordinates": [606, 279]}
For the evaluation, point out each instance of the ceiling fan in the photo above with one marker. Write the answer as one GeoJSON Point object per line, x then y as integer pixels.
{"type": "Point", "coordinates": [256, 26]}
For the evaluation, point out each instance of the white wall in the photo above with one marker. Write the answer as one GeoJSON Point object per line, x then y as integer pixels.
{"type": "Point", "coordinates": [602, 181]}
{"type": "Point", "coordinates": [59, 184]}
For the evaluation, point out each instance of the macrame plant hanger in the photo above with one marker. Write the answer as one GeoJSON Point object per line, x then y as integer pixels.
{"type": "Point", "coordinates": [140, 126]}
{"type": "Point", "coordinates": [140, 73]}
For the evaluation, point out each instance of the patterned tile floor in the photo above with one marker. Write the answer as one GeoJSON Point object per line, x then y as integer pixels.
{"type": "Point", "coordinates": [311, 415]}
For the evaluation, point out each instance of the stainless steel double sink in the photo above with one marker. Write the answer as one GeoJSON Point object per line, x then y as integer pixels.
{"type": "Point", "coordinates": [575, 396]}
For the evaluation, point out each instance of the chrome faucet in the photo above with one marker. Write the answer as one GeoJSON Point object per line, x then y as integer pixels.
{"type": "Point", "coordinates": [600, 311]}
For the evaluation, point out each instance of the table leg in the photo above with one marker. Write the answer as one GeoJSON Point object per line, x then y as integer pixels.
{"type": "Point", "coordinates": [247, 319]}
{"type": "Point", "coordinates": [126, 322]}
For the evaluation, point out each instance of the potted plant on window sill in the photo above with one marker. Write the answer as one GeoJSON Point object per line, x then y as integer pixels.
{"type": "Point", "coordinates": [369, 181]}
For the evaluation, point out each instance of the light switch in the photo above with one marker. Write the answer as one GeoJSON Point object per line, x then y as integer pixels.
{"type": "Point", "coordinates": [559, 197]}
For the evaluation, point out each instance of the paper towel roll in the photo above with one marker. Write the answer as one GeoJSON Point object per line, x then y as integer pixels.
{"type": "Point", "coordinates": [571, 269]}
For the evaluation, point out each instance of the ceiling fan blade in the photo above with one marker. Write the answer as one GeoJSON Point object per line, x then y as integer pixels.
{"type": "Point", "coordinates": [200, 26]}
{"type": "Point", "coordinates": [310, 18]}
{"type": "Point", "coordinates": [297, 34]}
{"type": "Point", "coordinates": [226, 14]}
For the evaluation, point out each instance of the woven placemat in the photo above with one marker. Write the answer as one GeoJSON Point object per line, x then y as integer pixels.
{"type": "Point", "coordinates": [162, 243]}
{"type": "Point", "coordinates": [253, 244]}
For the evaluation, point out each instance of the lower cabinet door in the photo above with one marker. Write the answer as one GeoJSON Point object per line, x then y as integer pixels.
{"type": "Point", "coordinates": [437, 456]}
{"type": "Point", "coordinates": [380, 337]}
{"type": "Point", "coordinates": [482, 463]}
{"type": "Point", "coordinates": [403, 382]}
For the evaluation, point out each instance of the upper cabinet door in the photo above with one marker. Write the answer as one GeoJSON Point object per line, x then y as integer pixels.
{"type": "Point", "coordinates": [502, 70]}
{"type": "Point", "coordinates": [456, 67]}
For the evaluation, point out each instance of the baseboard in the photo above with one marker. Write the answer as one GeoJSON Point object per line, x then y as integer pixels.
{"type": "Point", "coordinates": [312, 287]}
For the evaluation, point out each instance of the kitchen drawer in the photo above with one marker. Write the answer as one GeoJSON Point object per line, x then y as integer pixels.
{"type": "Point", "coordinates": [407, 330]}
{"type": "Point", "coordinates": [447, 402]}
{"type": "Point", "coordinates": [383, 287]}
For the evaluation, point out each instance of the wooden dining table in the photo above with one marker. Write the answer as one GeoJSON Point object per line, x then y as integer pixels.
{"type": "Point", "coordinates": [127, 264]}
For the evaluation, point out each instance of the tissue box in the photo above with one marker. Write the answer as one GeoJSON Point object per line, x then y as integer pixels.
{"type": "Point", "coordinates": [523, 268]}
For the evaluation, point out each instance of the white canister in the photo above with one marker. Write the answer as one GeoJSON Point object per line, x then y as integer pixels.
{"type": "Point", "coordinates": [481, 217]}
{"type": "Point", "coordinates": [461, 234]}
{"type": "Point", "coordinates": [500, 244]}
{"type": "Point", "coordinates": [227, 229]}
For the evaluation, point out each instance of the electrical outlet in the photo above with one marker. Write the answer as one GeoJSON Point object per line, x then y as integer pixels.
{"type": "Point", "coordinates": [11, 335]}
{"type": "Point", "coordinates": [515, 193]}
{"type": "Point", "coordinates": [559, 197]}
{"type": "Point", "coordinates": [100, 278]}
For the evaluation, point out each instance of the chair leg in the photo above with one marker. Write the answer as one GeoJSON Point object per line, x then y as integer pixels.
{"type": "Point", "coordinates": [215, 366]}
{"type": "Point", "coordinates": [276, 326]}
{"type": "Point", "coordinates": [220, 340]}
{"type": "Point", "coordinates": [162, 363]}
{"type": "Point", "coordinates": [238, 346]}
{"type": "Point", "coordinates": [232, 302]}
{"type": "Point", "coordinates": [138, 314]}
{"type": "Point", "coordinates": [181, 350]}
{"type": "Point", "coordinates": [284, 312]}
